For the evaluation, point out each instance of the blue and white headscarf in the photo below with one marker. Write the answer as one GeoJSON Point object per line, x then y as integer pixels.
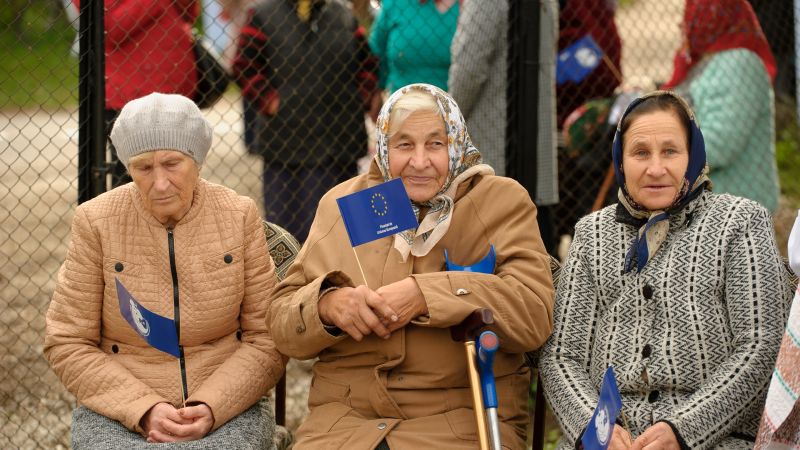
{"type": "Point", "coordinates": [654, 231]}
{"type": "Point", "coordinates": [464, 162]}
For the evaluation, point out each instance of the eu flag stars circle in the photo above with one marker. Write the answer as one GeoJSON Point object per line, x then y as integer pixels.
{"type": "Point", "coordinates": [379, 204]}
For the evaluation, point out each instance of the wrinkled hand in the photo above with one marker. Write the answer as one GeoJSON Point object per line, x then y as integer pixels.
{"type": "Point", "coordinates": [621, 439]}
{"type": "Point", "coordinates": [357, 311]}
{"type": "Point", "coordinates": [405, 298]}
{"type": "Point", "coordinates": [658, 436]}
{"type": "Point", "coordinates": [167, 424]}
{"type": "Point", "coordinates": [155, 418]}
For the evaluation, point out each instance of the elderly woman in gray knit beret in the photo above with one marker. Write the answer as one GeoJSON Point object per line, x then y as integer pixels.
{"type": "Point", "coordinates": [168, 244]}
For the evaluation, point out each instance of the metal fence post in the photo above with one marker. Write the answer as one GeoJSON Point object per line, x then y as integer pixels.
{"type": "Point", "coordinates": [523, 126]}
{"type": "Point", "coordinates": [91, 100]}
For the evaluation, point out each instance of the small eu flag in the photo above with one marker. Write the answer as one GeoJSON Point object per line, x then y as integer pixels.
{"type": "Point", "coordinates": [157, 330]}
{"type": "Point", "coordinates": [578, 60]}
{"type": "Point", "coordinates": [377, 212]}
{"type": "Point", "coordinates": [600, 429]}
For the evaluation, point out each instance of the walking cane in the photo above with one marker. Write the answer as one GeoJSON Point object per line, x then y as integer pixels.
{"type": "Point", "coordinates": [487, 345]}
{"type": "Point", "coordinates": [465, 332]}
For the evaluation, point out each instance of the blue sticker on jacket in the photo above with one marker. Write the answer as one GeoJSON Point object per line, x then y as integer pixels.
{"type": "Point", "coordinates": [485, 265]}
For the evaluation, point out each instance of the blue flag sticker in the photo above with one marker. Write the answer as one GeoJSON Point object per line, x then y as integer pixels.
{"type": "Point", "coordinates": [577, 61]}
{"type": "Point", "coordinates": [601, 427]}
{"type": "Point", "coordinates": [158, 331]}
{"type": "Point", "coordinates": [377, 212]}
{"type": "Point", "coordinates": [485, 265]}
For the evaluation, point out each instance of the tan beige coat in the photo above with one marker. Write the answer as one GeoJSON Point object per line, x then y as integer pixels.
{"type": "Point", "coordinates": [412, 389]}
{"type": "Point", "coordinates": [231, 360]}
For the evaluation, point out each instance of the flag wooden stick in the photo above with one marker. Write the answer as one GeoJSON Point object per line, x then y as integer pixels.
{"type": "Point", "coordinates": [603, 192]}
{"type": "Point", "coordinates": [364, 277]}
{"type": "Point", "coordinates": [624, 420]}
{"type": "Point", "coordinates": [617, 74]}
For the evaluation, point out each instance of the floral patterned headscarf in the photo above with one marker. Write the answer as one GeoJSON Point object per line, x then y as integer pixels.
{"type": "Point", "coordinates": [653, 232]}
{"type": "Point", "coordinates": [464, 162]}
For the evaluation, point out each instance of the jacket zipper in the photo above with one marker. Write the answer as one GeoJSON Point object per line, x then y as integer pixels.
{"type": "Point", "coordinates": [177, 308]}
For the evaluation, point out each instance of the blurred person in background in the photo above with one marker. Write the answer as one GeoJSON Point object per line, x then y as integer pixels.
{"type": "Point", "coordinates": [595, 18]}
{"type": "Point", "coordinates": [725, 70]}
{"type": "Point", "coordinates": [478, 83]}
{"type": "Point", "coordinates": [186, 249]}
{"type": "Point", "coordinates": [411, 39]}
{"type": "Point", "coordinates": [307, 69]}
{"type": "Point", "coordinates": [148, 48]}
{"type": "Point", "coordinates": [586, 27]}
{"type": "Point", "coordinates": [777, 20]}
{"type": "Point", "coordinates": [682, 291]}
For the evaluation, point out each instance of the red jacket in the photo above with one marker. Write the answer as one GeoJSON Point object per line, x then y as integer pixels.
{"type": "Point", "coordinates": [148, 48]}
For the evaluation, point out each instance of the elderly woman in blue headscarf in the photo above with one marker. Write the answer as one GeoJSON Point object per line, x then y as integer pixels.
{"type": "Point", "coordinates": [389, 375]}
{"type": "Point", "coordinates": [680, 290]}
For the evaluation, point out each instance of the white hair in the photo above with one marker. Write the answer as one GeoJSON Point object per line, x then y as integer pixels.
{"type": "Point", "coordinates": [408, 104]}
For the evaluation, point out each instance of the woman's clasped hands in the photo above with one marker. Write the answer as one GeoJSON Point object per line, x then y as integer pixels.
{"type": "Point", "coordinates": [657, 437]}
{"type": "Point", "coordinates": [165, 423]}
{"type": "Point", "coordinates": [360, 311]}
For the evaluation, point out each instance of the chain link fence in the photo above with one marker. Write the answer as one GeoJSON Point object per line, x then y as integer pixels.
{"type": "Point", "coordinates": [307, 76]}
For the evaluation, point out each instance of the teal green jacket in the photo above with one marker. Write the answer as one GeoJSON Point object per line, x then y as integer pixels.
{"type": "Point", "coordinates": [734, 103]}
{"type": "Point", "coordinates": [412, 41]}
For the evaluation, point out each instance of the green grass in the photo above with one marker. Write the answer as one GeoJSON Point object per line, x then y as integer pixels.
{"type": "Point", "coordinates": [37, 68]}
{"type": "Point", "coordinates": [787, 148]}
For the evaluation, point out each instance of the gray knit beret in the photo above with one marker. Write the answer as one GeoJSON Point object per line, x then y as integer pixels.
{"type": "Point", "coordinates": [161, 122]}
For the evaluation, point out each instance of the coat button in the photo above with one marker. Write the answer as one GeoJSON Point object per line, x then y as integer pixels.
{"type": "Point", "coordinates": [646, 351]}
{"type": "Point", "coordinates": [381, 426]}
{"type": "Point", "coordinates": [114, 348]}
{"type": "Point", "coordinates": [647, 291]}
{"type": "Point", "coordinates": [653, 397]}
{"type": "Point", "coordinates": [462, 291]}
{"type": "Point", "coordinates": [118, 267]}
{"type": "Point", "coordinates": [300, 329]}
{"type": "Point", "coordinates": [228, 259]}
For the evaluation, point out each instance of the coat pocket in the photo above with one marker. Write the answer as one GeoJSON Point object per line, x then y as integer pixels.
{"type": "Point", "coordinates": [226, 260]}
{"type": "Point", "coordinates": [324, 391]}
{"type": "Point", "coordinates": [224, 271]}
{"type": "Point", "coordinates": [120, 268]}
{"type": "Point", "coordinates": [462, 423]}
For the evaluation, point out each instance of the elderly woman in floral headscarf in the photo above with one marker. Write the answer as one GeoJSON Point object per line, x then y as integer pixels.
{"type": "Point", "coordinates": [680, 290]}
{"type": "Point", "coordinates": [388, 371]}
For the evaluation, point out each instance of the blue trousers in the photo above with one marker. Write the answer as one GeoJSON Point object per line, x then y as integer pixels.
{"type": "Point", "coordinates": [292, 193]}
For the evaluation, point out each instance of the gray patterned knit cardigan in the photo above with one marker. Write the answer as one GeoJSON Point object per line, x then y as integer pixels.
{"type": "Point", "coordinates": [692, 338]}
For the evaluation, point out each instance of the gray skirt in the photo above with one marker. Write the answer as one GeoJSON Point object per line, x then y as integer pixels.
{"type": "Point", "coordinates": [252, 429]}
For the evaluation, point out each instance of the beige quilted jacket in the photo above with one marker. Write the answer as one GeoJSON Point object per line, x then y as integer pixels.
{"type": "Point", "coordinates": [224, 277]}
